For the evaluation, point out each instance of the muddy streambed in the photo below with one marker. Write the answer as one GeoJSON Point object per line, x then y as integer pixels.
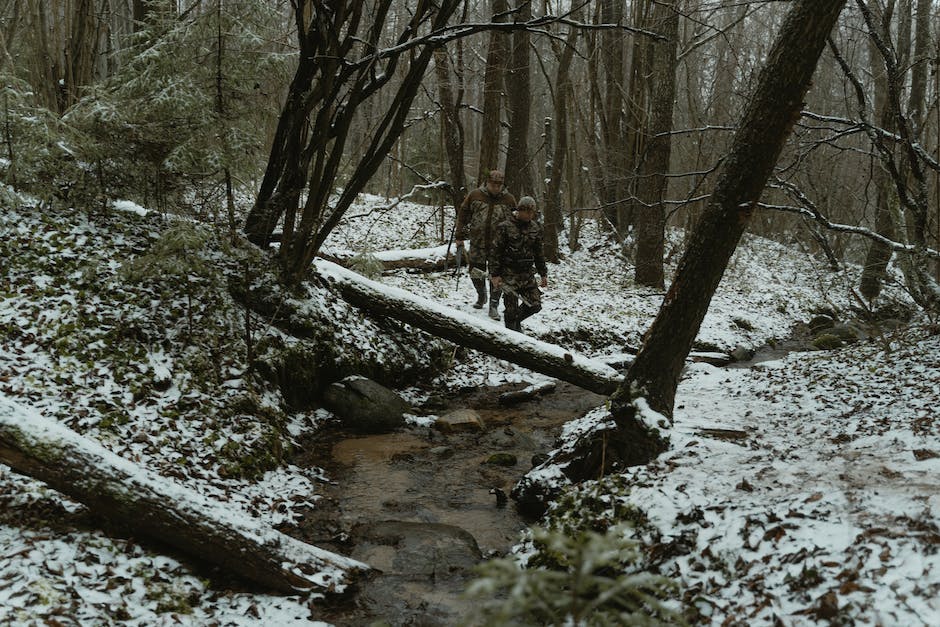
{"type": "Point", "coordinates": [420, 506]}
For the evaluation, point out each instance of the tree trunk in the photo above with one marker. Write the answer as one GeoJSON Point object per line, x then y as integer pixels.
{"type": "Point", "coordinates": [906, 170]}
{"type": "Point", "coordinates": [471, 331]}
{"type": "Point", "coordinates": [553, 212]}
{"type": "Point", "coordinates": [644, 400]}
{"type": "Point", "coordinates": [613, 170]}
{"type": "Point", "coordinates": [652, 184]}
{"type": "Point", "coordinates": [115, 489]}
{"type": "Point", "coordinates": [492, 93]}
{"type": "Point", "coordinates": [451, 127]}
{"type": "Point", "coordinates": [518, 90]}
{"type": "Point", "coordinates": [879, 255]}
{"type": "Point", "coordinates": [80, 50]}
{"type": "Point", "coordinates": [767, 122]}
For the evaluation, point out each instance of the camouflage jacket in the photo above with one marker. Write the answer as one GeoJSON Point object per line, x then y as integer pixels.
{"type": "Point", "coordinates": [479, 214]}
{"type": "Point", "coordinates": [517, 248]}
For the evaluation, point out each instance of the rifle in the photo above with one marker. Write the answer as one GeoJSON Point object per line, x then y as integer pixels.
{"type": "Point", "coordinates": [459, 256]}
{"type": "Point", "coordinates": [506, 290]}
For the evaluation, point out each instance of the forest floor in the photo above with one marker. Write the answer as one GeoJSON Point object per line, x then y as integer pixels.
{"type": "Point", "coordinates": [800, 489]}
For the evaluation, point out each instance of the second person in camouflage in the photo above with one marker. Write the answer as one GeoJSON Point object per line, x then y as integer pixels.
{"type": "Point", "coordinates": [515, 256]}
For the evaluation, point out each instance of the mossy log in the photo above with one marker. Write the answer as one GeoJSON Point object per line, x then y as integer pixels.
{"type": "Point", "coordinates": [470, 331]}
{"type": "Point", "coordinates": [154, 506]}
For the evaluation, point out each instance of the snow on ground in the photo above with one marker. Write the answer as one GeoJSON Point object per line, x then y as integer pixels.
{"type": "Point", "coordinates": [830, 494]}
{"type": "Point", "coordinates": [826, 509]}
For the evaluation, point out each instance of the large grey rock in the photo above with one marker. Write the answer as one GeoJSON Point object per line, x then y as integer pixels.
{"type": "Point", "coordinates": [366, 406]}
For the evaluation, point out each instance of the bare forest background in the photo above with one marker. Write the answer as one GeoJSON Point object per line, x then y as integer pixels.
{"type": "Point", "coordinates": [270, 117]}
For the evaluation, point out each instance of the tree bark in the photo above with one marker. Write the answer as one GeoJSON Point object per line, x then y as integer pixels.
{"type": "Point", "coordinates": [518, 169]}
{"type": "Point", "coordinates": [492, 94]}
{"type": "Point", "coordinates": [652, 183]}
{"type": "Point", "coordinates": [611, 113]}
{"type": "Point", "coordinates": [116, 489]}
{"type": "Point", "coordinates": [644, 400]}
{"type": "Point", "coordinates": [768, 120]}
{"type": "Point", "coordinates": [879, 255]}
{"type": "Point", "coordinates": [470, 331]}
{"type": "Point", "coordinates": [553, 213]}
{"type": "Point", "coordinates": [451, 127]}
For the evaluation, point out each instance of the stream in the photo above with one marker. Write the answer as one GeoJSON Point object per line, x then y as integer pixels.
{"type": "Point", "coordinates": [417, 504]}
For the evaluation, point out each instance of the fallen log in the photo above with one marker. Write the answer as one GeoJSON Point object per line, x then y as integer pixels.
{"type": "Point", "coordinates": [526, 393]}
{"type": "Point", "coordinates": [470, 331]}
{"type": "Point", "coordinates": [157, 507]}
{"type": "Point", "coordinates": [433, 259]}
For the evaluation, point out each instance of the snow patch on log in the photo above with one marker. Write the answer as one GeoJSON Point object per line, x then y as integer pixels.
{"type": "Point", "coordinates": [88, 472]}
{"type": "Point", "coordinates": [473, 331]}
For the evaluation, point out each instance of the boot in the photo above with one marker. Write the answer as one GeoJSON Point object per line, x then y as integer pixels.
{"type": "Point", "coordinates": [480, 284]}
{"type": "Point", "coordinates": [494, 304]}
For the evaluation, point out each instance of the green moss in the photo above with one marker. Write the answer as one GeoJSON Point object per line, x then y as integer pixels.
{"type": "Point", "coordinates": [501, 459]}
{"type": "Point", "coordinates": [114, 419]}
{"type": "Point", "coordinates": [171, 599]}
{"type": "Point", "coordinates": [264, 443]}
{"type": "Point", "coordinates": [827, 341]}
{"type": "Point", "coordinates": [251, 460]}
{"type": "Point", "coordinates": [741, 323]}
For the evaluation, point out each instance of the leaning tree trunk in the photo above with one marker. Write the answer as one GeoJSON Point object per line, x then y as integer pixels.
{"type": "Point", "coordinates": [159, 508]}
{"type": "Point", "coordinates": [470, 331]}
{"type": "Point", "coordinates": [644, 400]}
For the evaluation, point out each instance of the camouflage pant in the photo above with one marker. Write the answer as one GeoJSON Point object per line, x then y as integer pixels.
{"type": "Point", "coordinates": [476, 261]}
{"type": "Point", "coordinates": [526, 300]}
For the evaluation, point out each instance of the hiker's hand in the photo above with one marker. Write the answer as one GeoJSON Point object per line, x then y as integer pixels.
{"type": "Point", "coordinates": [543, 282]}
{"type": "Point", "coordinates": [496, 281]}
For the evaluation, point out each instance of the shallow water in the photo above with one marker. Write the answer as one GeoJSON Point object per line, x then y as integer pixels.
{"type": "Point", "coordinates": [417, 504]}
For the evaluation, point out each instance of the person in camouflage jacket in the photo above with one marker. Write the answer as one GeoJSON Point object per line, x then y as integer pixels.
{"type": "Point", "coordinates": [480, 212]}
{"type": "Point", "coordinates": [515, 256]}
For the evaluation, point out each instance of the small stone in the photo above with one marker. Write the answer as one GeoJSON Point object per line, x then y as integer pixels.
{"type": "Point", "coordinates": [460, 420]}
{"type": "Point", "coordinates": [444, 452]}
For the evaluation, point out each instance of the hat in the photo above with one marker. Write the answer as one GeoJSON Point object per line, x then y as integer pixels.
{"type": "Point", "coordinates": [526, 202]}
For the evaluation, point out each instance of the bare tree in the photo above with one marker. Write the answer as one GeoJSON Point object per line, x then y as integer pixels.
{"type": "Point", "coordinates": [651, 381]}
{"type": "Point", "coordinates": [496, 54]}
{"type": "Point", "coordinates": [559, 126]}
{"type": "Point", "coordinates": [518, 169]}
{"type": "Point", "coordinates": [327, 88]}
{"type": "Point", "coordinates": [450, 94]}
{"type": "Point", "coordinates": [652, 182]}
